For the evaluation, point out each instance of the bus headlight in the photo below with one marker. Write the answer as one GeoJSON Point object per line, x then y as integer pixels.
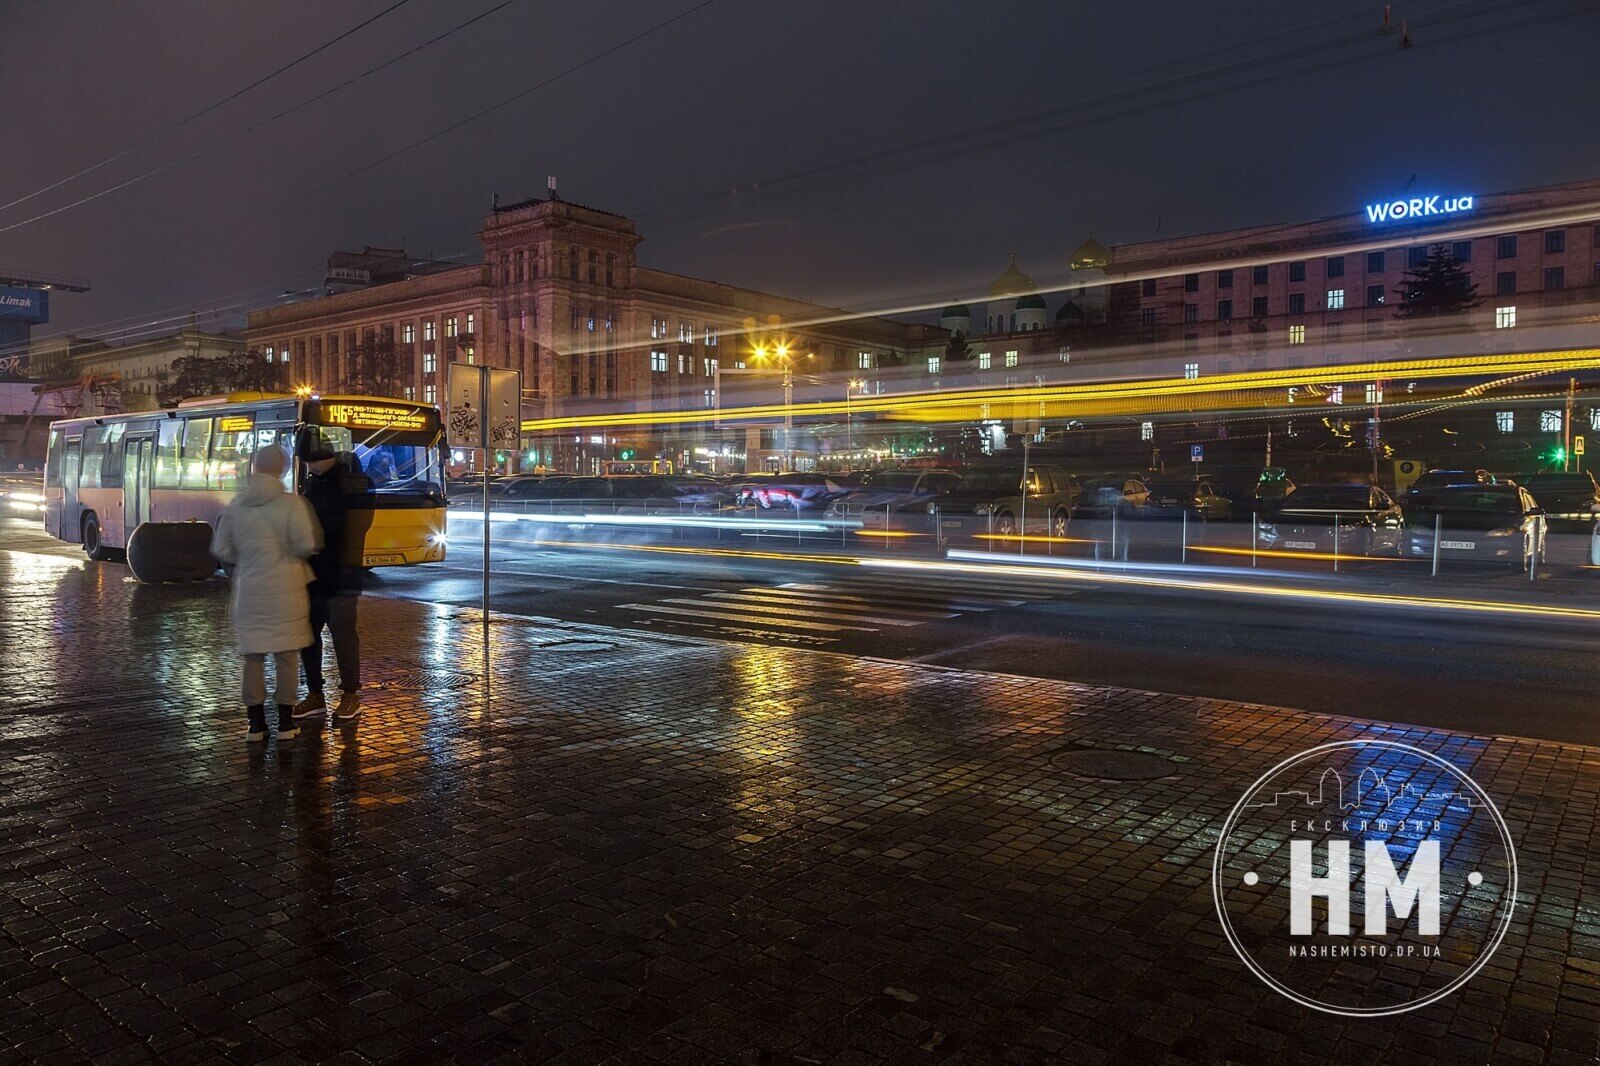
{"type": "Point", "coordinates": [436, 539]}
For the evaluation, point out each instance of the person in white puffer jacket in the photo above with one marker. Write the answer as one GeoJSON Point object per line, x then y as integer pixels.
{"type": "Point", "coordinates": [266, 534]}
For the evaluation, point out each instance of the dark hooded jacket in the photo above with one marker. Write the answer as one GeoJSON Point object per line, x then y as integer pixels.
{"type": "Point", "coordinates": [325, 493]}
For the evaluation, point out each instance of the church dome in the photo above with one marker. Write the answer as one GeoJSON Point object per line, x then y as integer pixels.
{"type": "Point", "coordinates": [1031, 302]}
{"type": "Point", "coordinates": [1090, 254]}
{"type": "Point", "coordinates": [956, 310]}
{"type": "Point", "coordinates": [1012, 283]}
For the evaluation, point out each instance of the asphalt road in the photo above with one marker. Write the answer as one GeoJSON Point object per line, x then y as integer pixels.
{"type": "Point", "coordinates": [1514, 675]}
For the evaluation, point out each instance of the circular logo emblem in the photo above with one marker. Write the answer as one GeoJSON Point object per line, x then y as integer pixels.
{"type": "Point", "coordinates": [1365, 878]}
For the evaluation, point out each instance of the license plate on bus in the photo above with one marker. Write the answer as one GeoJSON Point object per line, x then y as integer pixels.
{"type": "Point", "coordinates": [1303, 545]}
{"type": "Point", "coordinates": [382, 560]}
{"type": "Point", "coordinates": [1464, 545]}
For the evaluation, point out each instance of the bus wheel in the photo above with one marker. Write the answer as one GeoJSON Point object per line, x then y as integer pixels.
{"type": "Point", "coordinates": [93, 545]}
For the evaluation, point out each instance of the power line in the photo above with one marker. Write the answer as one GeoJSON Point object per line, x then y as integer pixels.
{"type": "Point", "coordinates": [323, 47]}
{"type": "Point", "coordinates": [506, 101]}
{"type": "Point", "coordinates": [214, 145]}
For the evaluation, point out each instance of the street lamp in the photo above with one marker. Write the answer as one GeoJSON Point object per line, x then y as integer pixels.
{"type": "Point", "coordinates": [781, 355]}
{"type": "Point", "coordinates": [849, 423]}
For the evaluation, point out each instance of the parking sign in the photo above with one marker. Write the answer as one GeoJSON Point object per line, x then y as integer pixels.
{"type": "Point", "coordinates": [1197, 453]}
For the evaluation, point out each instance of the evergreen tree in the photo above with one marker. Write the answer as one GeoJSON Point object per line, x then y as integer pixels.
{"type": "Point", "coordinates": [1438, 286]}
{"type": "Point", "coordinates": [958, 350]}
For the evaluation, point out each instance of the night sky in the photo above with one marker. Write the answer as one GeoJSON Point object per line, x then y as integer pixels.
{"type": "Point", "coordinates": [863, 154]}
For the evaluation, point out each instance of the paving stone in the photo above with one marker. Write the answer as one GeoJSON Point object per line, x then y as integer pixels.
{"type": "Point", "coordinates": [671, 850]}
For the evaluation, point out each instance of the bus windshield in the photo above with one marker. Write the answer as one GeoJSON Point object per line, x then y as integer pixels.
{"type": "Point", "coordinates": [395, 447]}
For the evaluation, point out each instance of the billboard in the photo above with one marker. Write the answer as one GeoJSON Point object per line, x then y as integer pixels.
{"type": "Point", "coordinates": [30, 305]}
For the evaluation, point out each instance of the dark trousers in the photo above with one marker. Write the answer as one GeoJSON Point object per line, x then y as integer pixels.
{"type": "Point", "coordinates": [338, 614]}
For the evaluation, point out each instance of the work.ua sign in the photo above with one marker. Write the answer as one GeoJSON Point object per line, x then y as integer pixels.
{"type": "Point", "coordinates": [1418, 207]}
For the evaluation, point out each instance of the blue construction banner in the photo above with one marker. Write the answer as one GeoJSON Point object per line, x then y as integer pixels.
{"type": "Point", "coordinates": [30, 305]}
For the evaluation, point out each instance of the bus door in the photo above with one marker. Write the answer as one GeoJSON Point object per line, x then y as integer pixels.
{"type": "Point", "coordinates": [71, 508]}
{"type": "Point", "coordinates": [135, 485]}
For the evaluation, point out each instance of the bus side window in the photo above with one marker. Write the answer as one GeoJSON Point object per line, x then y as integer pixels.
{"type": "Point", "coordinates": [93, 453]}
{"type": "Point", "coordinates": [196, 441]}
{"type": "Point", "coordinates": [230, 453]}
{"type": "Point", "coordinates": [167, 442]}
{"type": "Point", "coordinates": [52, 464]}
{"type": "Point", "coordinates": [111, 467]}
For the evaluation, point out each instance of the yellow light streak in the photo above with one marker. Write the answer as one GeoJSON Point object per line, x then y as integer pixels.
{"type": "Point", "coordinates": [957, 405]}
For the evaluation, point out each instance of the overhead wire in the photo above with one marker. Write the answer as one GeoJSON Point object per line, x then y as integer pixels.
{"type": "Point", "coordinates": [285, 113]}
{"type": "Point", "coordinates": [209, 108]}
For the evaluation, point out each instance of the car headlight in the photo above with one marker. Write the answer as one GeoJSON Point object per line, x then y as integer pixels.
{"type": "Point", "coordinates": [1267, 529]}
{"type": "Point", "coordinates": [27, 497]}
{"type": "Point", "coordinates": [1509, 531]}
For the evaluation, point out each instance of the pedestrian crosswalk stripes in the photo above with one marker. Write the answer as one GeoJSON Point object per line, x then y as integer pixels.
{"type": "Point", "coordinates": [865, 603]}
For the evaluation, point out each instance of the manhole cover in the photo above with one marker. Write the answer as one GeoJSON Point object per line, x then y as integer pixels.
{"type": "Point", "coordinates": [426, 680]}
{"type": "Point", "coordinates": [1109, 764]}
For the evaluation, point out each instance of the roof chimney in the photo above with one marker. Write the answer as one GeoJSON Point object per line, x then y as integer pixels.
{"type": "Point", "coordinates": [550, 183]}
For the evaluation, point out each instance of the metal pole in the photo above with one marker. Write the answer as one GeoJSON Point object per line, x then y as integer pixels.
{"type": "Point", "coordinates": [1336, 542]}
{"type": "Point", "coordinates": [1113, 532]}
{"type": "Point", "coordinates": [788, 418]}
{"type": "Point", "coordinates": [1255, 533]}
{"type": "Point", "coordinates": [1184, 556]}
{"type": "Point", "coordinates": [1566, 429]}
{"type": "Point", "coordinates": [1438, 531]}
{"type": "Point", "coordinates": [1022, 525]}
{"type": "Point", "coordinates": [1533, 554]}
{"type": "Point", "coordinates": [483, 420]}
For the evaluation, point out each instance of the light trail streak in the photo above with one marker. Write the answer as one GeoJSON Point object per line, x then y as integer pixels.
{"type": "Point", "coordinates": [1101, 397]}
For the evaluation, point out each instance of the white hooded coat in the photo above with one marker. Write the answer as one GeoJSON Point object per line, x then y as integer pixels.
{"type": "Point", "coordinates": [266, 534]}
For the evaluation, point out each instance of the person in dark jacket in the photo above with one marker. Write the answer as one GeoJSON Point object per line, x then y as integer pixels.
{"type": "Point", "coordinates": [333, 598]}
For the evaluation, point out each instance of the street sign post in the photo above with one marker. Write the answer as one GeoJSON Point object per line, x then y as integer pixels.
{"type": "Point", "coordinates": [1197, 453]}
{"type": "Point", "coordinates": [484, 412]}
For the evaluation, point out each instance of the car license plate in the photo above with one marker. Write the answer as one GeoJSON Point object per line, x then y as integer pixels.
{"type": "Point", "coordinates": [1303, 545]}
{"type": "Point", "coordinates": [1464, 545]}
{"type": "Point", "coordinates": [382, 560]}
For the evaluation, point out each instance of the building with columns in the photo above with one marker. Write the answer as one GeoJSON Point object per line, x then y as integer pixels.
{"type": "Point", "coordinates": [561, 296]}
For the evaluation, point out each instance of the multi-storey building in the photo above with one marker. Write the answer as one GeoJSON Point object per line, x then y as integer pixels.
{"type": "Point", "coordinates": [560, 295]}
{"type": "Point", "coordinates": [142, 367]}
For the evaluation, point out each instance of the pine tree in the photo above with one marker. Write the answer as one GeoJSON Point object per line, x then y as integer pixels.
{"type": "Point", "coordinates": [1438, 286]}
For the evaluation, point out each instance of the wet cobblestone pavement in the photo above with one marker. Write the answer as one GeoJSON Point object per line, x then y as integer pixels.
{"type": "Point", "coordinates": [653, 849]}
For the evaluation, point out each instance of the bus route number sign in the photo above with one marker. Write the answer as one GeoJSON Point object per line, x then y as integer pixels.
{"type": "Point", "coordinates": [374, 416]}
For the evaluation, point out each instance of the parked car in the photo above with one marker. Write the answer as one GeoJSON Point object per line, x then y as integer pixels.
{"type": "Point", "coordinates": [994, 493]}
{"type": "Point", "coordinates": [800, 491]}
{"type": "Point", "coordinates": [889, 491]}
{"type": "Point", "coordinates": [1354, 519]}
{"type": "Point", "coordinates": [1425, 486]}
{"type": "Point", "coordinates": [1573, 497]}
{"type": "Point", "coordinates": [1173, 497]}
{"type": "Point", "coordinates": [1498, 523]}
{"type": "Point", "coordinates": [1249, 489]}
{"type": "Point", "coordinates": [1103, 494]}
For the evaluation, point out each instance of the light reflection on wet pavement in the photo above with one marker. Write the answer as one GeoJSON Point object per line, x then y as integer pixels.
{"type": "Point", "coordinates": [660, 848]}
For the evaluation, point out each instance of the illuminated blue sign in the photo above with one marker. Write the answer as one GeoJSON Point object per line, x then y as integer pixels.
{"type": "Point", "coordinates": [1417, 207]}
{"type": "Point", "coordinates": [30, 305]}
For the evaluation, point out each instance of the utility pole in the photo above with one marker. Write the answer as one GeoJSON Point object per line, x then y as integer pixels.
{"type": "Point", "coordinates": [1566, 426]}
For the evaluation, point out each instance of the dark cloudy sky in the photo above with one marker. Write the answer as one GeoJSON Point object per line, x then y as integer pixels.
{"type": "Point", "coordinates": [862, 153]}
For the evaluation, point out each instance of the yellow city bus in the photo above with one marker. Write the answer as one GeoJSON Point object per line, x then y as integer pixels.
{"type": "Point", "coordinates": [107, 476]}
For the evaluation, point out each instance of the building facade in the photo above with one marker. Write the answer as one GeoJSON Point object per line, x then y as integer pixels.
{"type": "Point", "coordinates": [561, 297]}
{"type": "Point", "coordinates": [140, 367]}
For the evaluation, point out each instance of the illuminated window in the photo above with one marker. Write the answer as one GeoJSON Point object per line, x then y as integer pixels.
{"type": "Point", "coordinates": [450, 326]}
{"type": "Point", "coordinates": [658, 328]}
{"type": "Point", "coordinates": [408, 333]}
{"type": "Point", "coordinates": [1335, 299]}
{"type": "Point", "coordinates": [1297, 334]}
{"type": "Point", "coordinates": [658, 362]}
{"type": "Point", "coordinates": [1191, 371]}
{"type": "Point", "coordinates": [409, 392]}
{"type": "Point", "coordinates": [1594, 419]}
{"type": "Point", "coordinates": [430, 330]}
{"type": "Point", "coordinates": [863, 360]}
{"type": "Point", "coordinates": [711, 397]}
{"type": "Point", "coordinates": [430, 362]}
{"type": "Point", "coordinates": [933, 364]}
{"type": "Point", "coordinates": [471, 319]}
{"type": "Point", "coordinates": [984, 360]}
{"type": "Point", "coordinates": [710, 367]}
{"type": "Point", "coordinates": [1011, 358]}
{"type": "Point", "coordinates": [1147, 430]}
{"type": "Point", "coordinates": [1549, 421]}
{"type": "Point", "coordinates": [1064, 354]}
{"type": "Point", "coordinates": [1374, 393]}
{"type": "Point", "coordinates": [683, 363]}
{"type": "Point", "coordinates": [1336, 394]}
{"type": "Point", "coordinates": [1505, 421]}
{"type": "Point", "coordinates": [430, 394]}
{"type": "Point", "coordinates": [272, 354]}
{"type": "Point", "coordinates": [711, 335]}
{"type": "Point", "coordinates": [686, 332]}
{"type": "Point", "coordinates": [1505, 317]}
